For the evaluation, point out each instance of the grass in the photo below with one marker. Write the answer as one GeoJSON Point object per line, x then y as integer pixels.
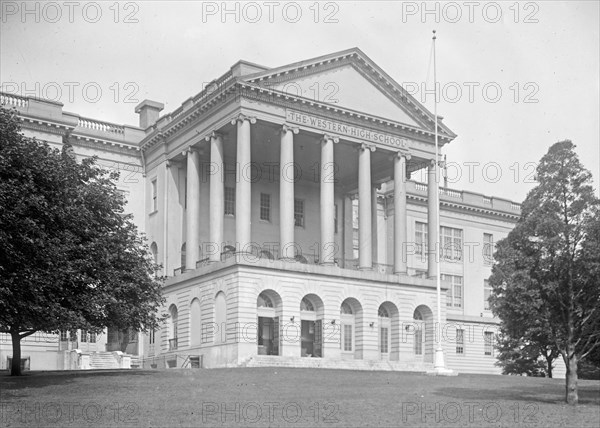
{"type": "Point", "coordinates": [289, 397]}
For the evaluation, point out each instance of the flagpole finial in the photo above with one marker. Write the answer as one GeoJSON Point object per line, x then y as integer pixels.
{"type": "Point", "coordinates": [434, 35]}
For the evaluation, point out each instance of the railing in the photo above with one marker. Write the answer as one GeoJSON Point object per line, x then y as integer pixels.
{"type": "Point", "coordinates": [13, 100]}
{"type": "Point", "coordinates": [487, 200]}
{"type": "Point", "coordinates": [451, 193]}
{"type": "Point", "coordinates": [173, 344]}
{"type": "Point", "coordinates": [421, 187]}
{"type": "Point", "coordinates": [100, 126]}
{"type": "Point", "coordinates": [515, 206]}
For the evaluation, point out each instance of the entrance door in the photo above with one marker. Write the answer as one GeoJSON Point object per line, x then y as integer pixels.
{"type": "Point", "coordinates": [312, 338]}
{"type": "Point", "coordinates": [268, 336]}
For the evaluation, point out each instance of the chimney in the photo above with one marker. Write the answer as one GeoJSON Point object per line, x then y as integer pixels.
{"type": "Point", "coordinates": [148, 111]}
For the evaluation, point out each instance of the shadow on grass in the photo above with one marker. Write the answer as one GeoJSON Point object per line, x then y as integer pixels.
{"type": "Point", "coordinates": [54, 378]}
{"type": "Point", "coordinates": [551, 394]}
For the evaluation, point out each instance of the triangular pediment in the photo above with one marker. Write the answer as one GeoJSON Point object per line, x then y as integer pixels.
{"type": "Point", "coordinates": [348, 80]}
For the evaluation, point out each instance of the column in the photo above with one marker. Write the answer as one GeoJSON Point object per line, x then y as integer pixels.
{"type": "Point", "coordinates": [243, 188]}
{"type": "Point", "coordinates": [192, 238]}
{"type": "Point", "coordinates": [286, 193]}
{"type": "Point", "coordinates": [432, 220]}
{"type": "Point", "coordinates": [328, 250]}
{"type": "Point", "coordinates": [374, 225]}
{"type": "Point", "coordinates": [365, 255]}
{"type": "Point", "coordinates": [400, 230]}
{"type": "Point", "coordinates": [216, 202]}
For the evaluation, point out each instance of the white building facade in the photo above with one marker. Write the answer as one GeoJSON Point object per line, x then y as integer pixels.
{"type": "Point", "coordinates": [287, 210]}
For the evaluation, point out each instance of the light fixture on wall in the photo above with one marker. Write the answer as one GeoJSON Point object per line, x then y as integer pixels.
{"type": "Point", "coordinates": [332, 321]}
{"type": "Point", "coordinates": [292, 319]}
{"type": "Point", "coordinates": [371, 324]}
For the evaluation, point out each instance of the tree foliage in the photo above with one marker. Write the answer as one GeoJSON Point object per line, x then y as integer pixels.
{"type": "Point", "coordinates": [69, 256]}
{"type": "Point", "coordinates": [546, 283]}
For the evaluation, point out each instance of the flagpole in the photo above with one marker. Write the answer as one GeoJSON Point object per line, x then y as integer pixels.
{"type": "Point", "coordinates": [439, 366]}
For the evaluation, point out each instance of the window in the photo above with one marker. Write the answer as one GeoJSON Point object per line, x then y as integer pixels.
{"type": "Point", "coordinates": [348, 337]}
{"type": "Point", "coordinates": [346, 309]}
{"type": "Point", "coordinates": [264, 301]}
{"type": "Point", "coordinates": [384, 340]}
{"type": "Point", "coordinates": [419, 325]}
{"type": "Point", "coordinates": [455, 291]}
{"type": "Point", "coordinates": [335, 218]}
{"type": "Point", "coordinates": [421, 238]}
{"type": "Point", "coordinates": [460, 341]}
{"type": "Point", "coordinates": [173, 327]}
{"type": "Point", "coordinates": [383, 313]}
{"type": "Point", "coordinates": [73, 336]}
{"type": "Point", "coordinates": [83, 336]}
{"type": "Point", "coordinates": [154, 196]}
{"type": "Point", "coordinates": [488, 343]}
{"type": "Point", "coordinates": [298, 212]}
{"type": "Point", "coordinates": [154, 252]}
{"type": "Point", "coordinates": [487, 292]}
{"type": "Point", "coordinates": [452, 243]}
{"type": "Point", "coordinates": [306, 305]}
{"type": "Point", "coordinates": [229, 200]}
{"type": "Point", "coordinates": [183, 267]}
{"type": "Point", "coordinates": [152, 337]}
{"type": "Point", "coordinates": [64, 336]}
{"type": "Point", "coordinates": [265, 207]}
{"type": "Point", "coordinates": [488, 248]}
{"type": "Point", "coordinates": [92, 338]}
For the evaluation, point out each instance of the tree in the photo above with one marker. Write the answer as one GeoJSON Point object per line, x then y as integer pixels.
{"type": "Point", "coordinates": [546, 277]}
{"type": "Point", "coordinates": [69, 256]}
{"type": "Point", "coordinates": [523, 355]}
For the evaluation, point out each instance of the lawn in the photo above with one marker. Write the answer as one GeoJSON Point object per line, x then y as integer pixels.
{"type": "Point", "coordinates": [289, 397]}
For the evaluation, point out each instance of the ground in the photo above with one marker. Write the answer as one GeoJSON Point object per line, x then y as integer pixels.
{"type": "Point", "coordinates": [289, 397]}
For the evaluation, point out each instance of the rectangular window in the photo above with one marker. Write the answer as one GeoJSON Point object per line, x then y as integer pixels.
{"type": "Point", "coordinates": [152, 336]}
{"type": "Point", "coordinates": [487, 292]}
{"type": "Point", "coordinates": [92, 338]}
{"type": "Point", "coordinates": [455, 294]}
{"type": "Point", "coordinates": [421, 238]}
{"type": "Point", "coordinates": [154, 196]}
{"type": "Point", "coordinates": [64, 336]}
{"type": "Point", "coordinates": [384, 340]}
{"type": "Point", "coordinates": [73, 336]}
{"type": "Point", "coordinates": [348, 337]}
{"type": "Point", "coordinates": [84, 335]}
{"type": "Point", "coordinates": [299, 212]}
{"type": "Point", "coordinates": [460, 341]}
{"type": "Point", "coordinates": [265, 206]}
{"type": "Point", "coordinates": [488, 343]}
{"type": "Point", "coordinates": [451, 243]}
{"type": "Point", "coordinates": [488, 248]}
{"type": "Point", "coordinates": [229, 200]}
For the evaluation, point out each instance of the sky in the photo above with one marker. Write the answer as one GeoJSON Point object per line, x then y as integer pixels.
{"type": "Point", "coordinates": [514, 77]}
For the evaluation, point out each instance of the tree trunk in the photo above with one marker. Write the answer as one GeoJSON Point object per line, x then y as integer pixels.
{"type": "Point", "coordinates": [15, 369]}
{"type": "Point", "coordinates": [572, 395]}
{"type": "Point", "coordinates": [549, 363]}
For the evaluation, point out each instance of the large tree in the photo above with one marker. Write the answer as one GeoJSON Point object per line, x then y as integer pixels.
{"type": "Point", "coordinates": [69, 256]}
{"type": "Point", "coordinates": [547, 272]}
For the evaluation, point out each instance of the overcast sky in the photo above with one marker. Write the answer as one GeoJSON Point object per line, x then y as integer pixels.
{"type": "Point", "coordinates": [514, 77]}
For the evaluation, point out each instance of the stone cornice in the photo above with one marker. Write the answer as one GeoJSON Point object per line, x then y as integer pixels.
{"type": "Point", "coordinates": [467, 208]}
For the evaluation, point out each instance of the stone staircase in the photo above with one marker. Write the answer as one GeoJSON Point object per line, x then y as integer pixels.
{"type": "Point", "coordinates": [103, 360]}
{"type": "Point", "coordinates": [298, 362]}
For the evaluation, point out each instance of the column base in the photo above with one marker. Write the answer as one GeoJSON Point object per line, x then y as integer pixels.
{"type": "Point", "coordinates": [439, 368]}
{"type": "Point", "coordinates": [366, 268]}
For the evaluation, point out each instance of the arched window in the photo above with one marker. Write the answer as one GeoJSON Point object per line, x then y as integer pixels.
{"type": "Point", "coordinates": [154, 251]}
{"type": "Point", "coordinates": [220, 318]}
{"type": "Point", "coordinates": [346, 309]}
{"type": "Point", "coordinates": [419, 327]}
{"type": "Point", "coordinates": [183, 257]}
{"type": "Point", "coordinates": [195, 323]}
{"type": "Point", "coordinates": [264, 301]}
{"type": "Point", "coordinates": [173, 321]}
{"type": "Point", "coordinates": [306, 305]}
{"type": "Point", "coordinates": [383, 313]}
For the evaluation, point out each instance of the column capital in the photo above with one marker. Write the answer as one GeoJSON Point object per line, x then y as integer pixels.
{"type": "Point", "coordinates": [215, 135]}
{"type": "Point", "coordinates": [285, 128]}
{"type": "Point", "coordinates": [327, 137]}
{"type": "Point", "coordinates": [242, 117]}
{"type": "Point", "coordinates": [432, 162]}
{"type": "Point", "coordinates": [170, 162]}
{"type": "Point", "coordinates": [403, 154]}
{"type": "Point", "coordinates": [190, 149]}
{"type": "Point", "coordinates": [365, 146]}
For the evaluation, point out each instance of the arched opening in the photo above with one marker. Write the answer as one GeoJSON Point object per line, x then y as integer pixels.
{"type": "Point", "coordinates": [424, 334]}
{"type": "Point", "coordinates": [195, 323]}
{"type": "Point", "coordinates": [268, 309]}
{"type": "Point", "coordinates": [351, 329]}
{"type": "Point", "coordinates": [154, 252]}
{"type": "Point", "coordinates": [173, 327]}
{"type": "Point", "coordinates": [311, 329]}
{"type": "Point", "coordinates": [389, 331]}
{"type": "Point", "coordinates": [220, 334]}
